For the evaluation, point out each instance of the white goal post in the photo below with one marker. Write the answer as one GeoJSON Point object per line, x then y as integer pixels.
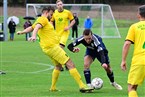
{"type": "Point", "coordinates": [104, 23]}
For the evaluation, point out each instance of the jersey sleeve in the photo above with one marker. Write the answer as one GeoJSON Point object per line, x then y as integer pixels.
{"type": "Point", "coordinates": [73, 44]}
{"type": "Point", "coordinates": [131, 34]}
{"type": "Point", "coordinates": [41, 20]}
{"type": "Point", "coordinates": [70, 16]}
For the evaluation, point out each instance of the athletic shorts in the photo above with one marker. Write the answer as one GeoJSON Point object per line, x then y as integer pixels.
{"type": "Point", "coordinates": [136, 75]}
{"type": "Point", "coordinates": [64, 38]}
{"type": "Point", "coordinates": [57, 55]}
{"type": "Point", "coordinates": [94, 54]}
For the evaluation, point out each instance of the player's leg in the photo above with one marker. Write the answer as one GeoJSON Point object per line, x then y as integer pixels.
{"type": "Point", "coordinates": [136, 77]}
{"type": "Point", "coordinates": [110, 75]}
{"type": "Point", "coordinates": [87, 73]}
{"type": "Point", "coordinates": [63, 41]}
{"type": "Point", "coordinates": [62, 46]}
{"type": "Point", "coordinates": [55, 75]}
{"type": "Point", "coordinates": [60, 56]}
{"type": "Point", "coordinates": [132, 90]}
{"type": "Point", "coordinates": [55, 55]}
{"type": "Point", "coordinates": [88, 59]}
{"type": "Point", "coordinates": [73, 71]}
{"type": "Point", "coordinates": [108, 70]}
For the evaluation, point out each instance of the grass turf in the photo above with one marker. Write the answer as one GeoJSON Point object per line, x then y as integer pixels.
{"type": "Point", "coordinates": [29, 71]}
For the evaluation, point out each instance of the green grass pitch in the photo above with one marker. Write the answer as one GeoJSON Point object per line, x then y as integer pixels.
{"type": "Point", "coordinates": [28, 71]}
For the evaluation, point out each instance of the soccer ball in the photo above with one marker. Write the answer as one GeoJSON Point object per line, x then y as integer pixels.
{"type": "Point", "coordinates": [97, 83]}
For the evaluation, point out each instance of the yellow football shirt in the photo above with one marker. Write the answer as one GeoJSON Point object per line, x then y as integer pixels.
{"type": "Point", "coordinates": [62, 20]}
{"type": "Point", "coordinates": [46, 35]}
{"type": "Point", "coordinates": [136, 34]}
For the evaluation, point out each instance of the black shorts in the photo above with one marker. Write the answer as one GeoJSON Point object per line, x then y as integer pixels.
{"type": "Point", "coordinates": [94, 54]}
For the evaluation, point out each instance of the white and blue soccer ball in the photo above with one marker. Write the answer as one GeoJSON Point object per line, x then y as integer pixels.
{"type": "Point", "coordinates": [97, 83]}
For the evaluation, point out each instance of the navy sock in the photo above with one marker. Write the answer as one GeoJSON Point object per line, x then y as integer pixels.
{"type": "Point", "coordinates": [111, 77]}
{"type": "Point", "coordinates": [87, 75]}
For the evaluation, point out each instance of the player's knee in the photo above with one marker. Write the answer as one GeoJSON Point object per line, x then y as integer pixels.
{"type": "Point", "coordinates": [132, 87]}
{"type": "Point", "coordinates": [58, 67]}
{"type": "Point", "coordinates": [105, 66]}
{"type": "Point", "coordinates": [70, 64]}
{"type": "Point", "coordinates": [86, 66]}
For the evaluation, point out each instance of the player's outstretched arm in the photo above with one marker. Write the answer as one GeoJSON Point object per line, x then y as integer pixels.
{"type": "Point", "coordinates": [34, 33]}
{"type": "Point", "coordinates": [29, 29]}
{"type": "Point", "coordinates": [72, 48]}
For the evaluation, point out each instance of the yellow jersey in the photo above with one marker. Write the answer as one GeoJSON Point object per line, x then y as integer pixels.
{"type": "Point", "coordinates": [62, 20]}
{"type": "Point", "coordinates": [46, 35]}
{"type": "Point", "coordinates": [136, 35]}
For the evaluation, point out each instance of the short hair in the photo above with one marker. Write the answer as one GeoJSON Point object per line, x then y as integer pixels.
{"type": "Point", "coordinates": [87, 32]}
{"type": "Point", "coordinates": [58, 1]}
{"type": "Point", "coordinates": [47, 9]}
{"type": "Point", "coordinates": [141, 10]}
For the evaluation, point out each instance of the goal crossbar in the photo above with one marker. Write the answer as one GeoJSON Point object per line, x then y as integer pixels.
{"type": "Point", "coordinates": [101, 14]}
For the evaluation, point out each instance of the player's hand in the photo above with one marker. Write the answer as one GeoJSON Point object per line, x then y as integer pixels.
{"type": "Point", "coordinates": [123, 65]}
{"type": "Point", "coordinates": [75, 50]}
{"type": "Point", "coordinates": [19, 32]}
{"type": "Point", "coordinates": [33, 39]}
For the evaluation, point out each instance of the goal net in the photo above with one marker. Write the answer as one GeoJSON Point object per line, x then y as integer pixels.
{"type": "Point", "coordinates": [104, 23]}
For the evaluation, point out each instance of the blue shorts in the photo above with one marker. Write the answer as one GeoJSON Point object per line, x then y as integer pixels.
{"type": "Point", "coordinates": [94, 54]}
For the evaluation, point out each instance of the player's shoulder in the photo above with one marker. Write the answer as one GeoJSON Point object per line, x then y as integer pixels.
{"type": "Point", "coordinates": [56, 11]}
{"type": "Point", "coordinates": [42, 18]}
{"type": "Point", "coordinates": [137, 24]}
{"type": "Point", "coordinates": [66, 11]}
{"type": "Point", "coordinates": [134, 25]}
{"type": "Point", "coordinates": [97, 36]}
{"type": "Point", "coordinates": [80, 38]}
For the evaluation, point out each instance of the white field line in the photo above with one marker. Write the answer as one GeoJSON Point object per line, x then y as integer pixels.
{"type": "Point", "coordinates": [50, 67]}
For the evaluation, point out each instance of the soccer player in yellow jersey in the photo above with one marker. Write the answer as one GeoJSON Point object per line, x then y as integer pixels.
{"type": "Point", "coordinates": [136, 36]}
{"type": "Point", "coordinates": [49, 42]}
{"type": "Point", "coordinates": [63, 20]}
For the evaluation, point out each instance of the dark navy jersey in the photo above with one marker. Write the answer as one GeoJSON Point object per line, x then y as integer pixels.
{"type": "Point", "coordinates": [96, 43]}
{"type": "Point", "coordinates": [96, 49]}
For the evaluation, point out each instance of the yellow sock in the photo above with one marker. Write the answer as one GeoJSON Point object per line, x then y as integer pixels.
{"type": "Point", "coordinates": [77, 77]}
{"type": "Point", "coordinates": [55, 75]}
{"type": "Point", "coordinates": [132, 94]}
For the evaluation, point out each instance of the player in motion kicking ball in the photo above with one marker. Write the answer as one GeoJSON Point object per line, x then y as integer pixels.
{"type": "Point", "coordinates": [95, 48]}
{"type": "Point", "coordinates": [49, 42]}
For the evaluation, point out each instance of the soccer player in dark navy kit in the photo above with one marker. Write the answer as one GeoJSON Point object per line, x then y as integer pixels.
{"type": "Point", "coordinates": [95, 48]}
